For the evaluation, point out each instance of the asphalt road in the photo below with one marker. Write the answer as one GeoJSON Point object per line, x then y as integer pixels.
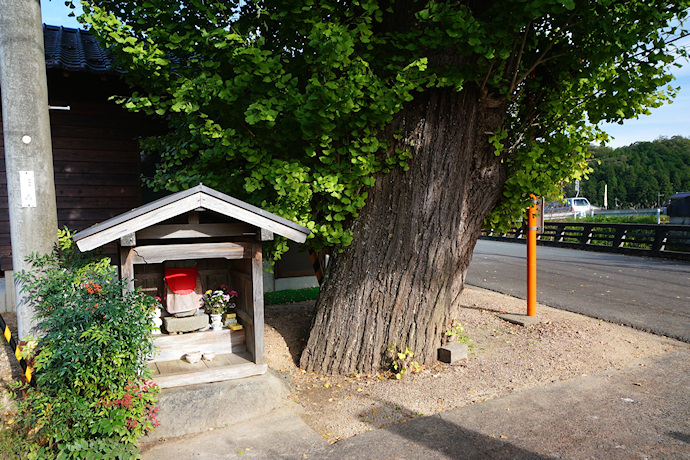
{"type": "Point", "coordinates": [646, 293]}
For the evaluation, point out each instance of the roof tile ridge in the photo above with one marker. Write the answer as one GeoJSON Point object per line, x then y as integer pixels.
{"type": "Point", "coordinates": [80, 50]}
{"type": "Point", "coordinates": [58, 46]}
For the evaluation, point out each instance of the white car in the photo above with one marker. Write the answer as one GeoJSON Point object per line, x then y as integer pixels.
{"type": "Point", "coordinates": [579, 206]}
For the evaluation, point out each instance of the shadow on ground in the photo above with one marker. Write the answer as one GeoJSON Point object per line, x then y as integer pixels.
{"type": "Point", "coordinates": [428, 438]}
{"type": "Point", "coordinates": [293, 322]}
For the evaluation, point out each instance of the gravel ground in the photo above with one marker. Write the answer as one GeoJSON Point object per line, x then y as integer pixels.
{"type": "Point", "coordinates": [504, 359]}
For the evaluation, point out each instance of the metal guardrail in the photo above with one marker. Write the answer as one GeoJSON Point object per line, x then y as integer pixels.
{"type": "Point", "coordinates": [669, 241]}
{"type": "Point", "coordinates": [610, 212]}
{"type": "Point", "coordinates": [629, 212]}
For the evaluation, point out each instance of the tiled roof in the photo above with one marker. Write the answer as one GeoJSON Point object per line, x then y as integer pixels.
{"type": "Point", "coordinates": [74, 50]}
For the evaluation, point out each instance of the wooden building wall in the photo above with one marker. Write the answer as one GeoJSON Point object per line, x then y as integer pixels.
{"type": "Point", "coordinates": [95, 154]}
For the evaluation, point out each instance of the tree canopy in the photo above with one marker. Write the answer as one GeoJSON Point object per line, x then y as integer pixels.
{"type": "Point", "coordinates": [643, 174]}
{"type": "Point", "coordinates": [288, 104]}
{"type": "Point", "coordinates": [392, 129]}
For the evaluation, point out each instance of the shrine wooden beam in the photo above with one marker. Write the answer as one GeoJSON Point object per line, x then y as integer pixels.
{"type": "Point", "coordinates": [156, 254]}
{"type": "Point", "coordinates": [162, 232]}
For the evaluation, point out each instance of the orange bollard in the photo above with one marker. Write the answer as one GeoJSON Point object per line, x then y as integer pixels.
{"type": "Point", "coordinates": [532, 258]}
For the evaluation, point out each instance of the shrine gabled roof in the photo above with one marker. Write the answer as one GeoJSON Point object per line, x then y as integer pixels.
{"type": "Point", "coordinates": [180, 203]}
{"type": "Point", "coordinates": [75, 50]}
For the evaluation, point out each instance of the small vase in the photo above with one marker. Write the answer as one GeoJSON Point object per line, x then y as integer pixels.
{"type": "Point", "coordinates": [193, 357]}
{"type": "Point", "coordinates": [216, 322]}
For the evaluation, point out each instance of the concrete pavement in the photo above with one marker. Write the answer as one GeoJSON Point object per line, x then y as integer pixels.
{"type": "Point", "coordinates": [640, 411]}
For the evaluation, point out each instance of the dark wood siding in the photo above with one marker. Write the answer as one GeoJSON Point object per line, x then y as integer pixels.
{"type": "Point", "coordinates": [95, 155]}
{"type": "Point", "coordinates": [295, 262]}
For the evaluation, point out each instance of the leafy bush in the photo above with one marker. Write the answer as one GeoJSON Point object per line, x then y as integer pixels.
{"type": "Point", "coordinates": [457, 333]}
{"type": "Point", "coordinates": [93, 398]}
{"type": "Point", "coordinates": [401, 361]}
{"type": "Point", "coordinates": [290, 295]}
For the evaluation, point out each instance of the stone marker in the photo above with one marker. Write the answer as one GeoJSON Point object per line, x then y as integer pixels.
{"type": "Point", "coordinates": [452, 352]}
{"type": "Point", "coordinates": [521, 320]}
{"type": "Point", "coordinates": [190, 323]}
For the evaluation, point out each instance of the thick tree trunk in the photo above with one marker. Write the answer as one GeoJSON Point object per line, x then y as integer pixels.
{"type": "Point", "coordinates": [399, 281]}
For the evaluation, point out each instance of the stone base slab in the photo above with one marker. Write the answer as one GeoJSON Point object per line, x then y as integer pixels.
{"type": "Point", "coordinates": [188, 324]}
{"type": "Point", "coordinates": [521, 320]}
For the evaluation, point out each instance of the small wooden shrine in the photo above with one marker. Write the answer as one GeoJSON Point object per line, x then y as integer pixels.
{"type": "Point", "coordinates": [220, 239]}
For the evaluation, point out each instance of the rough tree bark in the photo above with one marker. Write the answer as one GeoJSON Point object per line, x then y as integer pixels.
{"type": "Point", "coordinates": [399, 281]}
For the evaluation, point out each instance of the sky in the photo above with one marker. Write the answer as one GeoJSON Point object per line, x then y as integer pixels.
{"type": "Point", "coordinates": [668, 120]}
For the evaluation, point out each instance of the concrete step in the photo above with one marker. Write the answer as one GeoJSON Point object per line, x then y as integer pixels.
{"type": "Point", "coordinates": [198, 408]}
{"type": "Point", "coordinates": [280, 434]}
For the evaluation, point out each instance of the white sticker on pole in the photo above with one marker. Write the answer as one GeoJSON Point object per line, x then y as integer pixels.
{"type": "Point", "coordinates": [27, 187]}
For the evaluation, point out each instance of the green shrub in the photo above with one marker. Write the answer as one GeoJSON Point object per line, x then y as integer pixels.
{"type": "Point", "coordinates": [401, 361]}
{"type": "Point", "coordinates": [93, 398]}
{"type": "Point", "coordinates": [457, 333]}
{"type": "Point", "coordinates": [290, 295]}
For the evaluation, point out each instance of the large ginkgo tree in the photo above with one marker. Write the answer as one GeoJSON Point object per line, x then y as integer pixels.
{"type": "Point", "coordinates": [394, 130]}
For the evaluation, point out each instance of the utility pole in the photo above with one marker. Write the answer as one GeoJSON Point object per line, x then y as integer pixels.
{"type": "Point", "coordinates": [28, 150]}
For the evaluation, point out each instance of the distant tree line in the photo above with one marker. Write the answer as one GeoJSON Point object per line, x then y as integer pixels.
{"type": "Point", "coordinates": [640, 175]}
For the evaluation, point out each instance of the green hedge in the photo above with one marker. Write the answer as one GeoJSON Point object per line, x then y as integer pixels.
{"type": "Point", "coordinates": [290, 295]}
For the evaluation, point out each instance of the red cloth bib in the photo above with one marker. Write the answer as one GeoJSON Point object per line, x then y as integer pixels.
{"type": "Point", "coordinates": [181, 280]}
